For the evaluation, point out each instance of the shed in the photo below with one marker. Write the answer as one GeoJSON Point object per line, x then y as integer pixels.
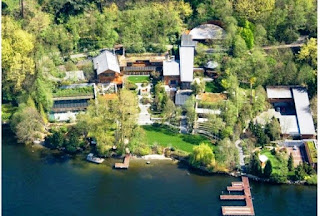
{"type": "Point", "coordinates": [263, 159]}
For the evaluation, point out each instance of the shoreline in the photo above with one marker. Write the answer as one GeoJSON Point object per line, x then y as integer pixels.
{"type": "Point", "coordinates": [151, 157]}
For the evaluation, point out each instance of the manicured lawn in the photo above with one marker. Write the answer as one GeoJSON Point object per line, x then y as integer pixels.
{"type": "Point", "coordinates": [138, 79]}
{"type": "Point", "coordinates": [274, 161]}
{"type": "Point", "coordinates": [168, 138]}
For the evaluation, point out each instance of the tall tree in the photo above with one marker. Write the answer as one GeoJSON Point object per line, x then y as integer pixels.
{"type": "Point", "coordinates": [169, 110]}
{"type": "Point", "coordinates": [17, 61]}
{"type": "Point", "coordinates": [267, 169]}
{"type": "Point", "coordinates": [308, 53]}
{"type": "Point", "coordinates": [127, 111]}
{"type": "Point", "coordinates": [290, 162]}
{"type": "Point", "coordinates": [202, 155]}
{"type": "Point", "coordinates": [27, 124]}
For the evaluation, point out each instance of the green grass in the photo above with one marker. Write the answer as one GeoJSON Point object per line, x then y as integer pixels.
{"type": "Point", "coordinates": [166, 137]}
{"type": "Point", "coordinates": [71, 92]}
{"type": "Point", "coordinates": [214, 87]}
{"type": "Point", "coordinates": [274, 161]}
{"type": "Point", "coordinates": [138, 79]}
{"type": "Point", "coordinates": [209, 87]}
{"type": "Point", "coordinates": [313, 152]}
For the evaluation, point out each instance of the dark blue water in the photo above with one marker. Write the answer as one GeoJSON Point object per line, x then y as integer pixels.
{"type": "Point", "coordinates": [41, 182]}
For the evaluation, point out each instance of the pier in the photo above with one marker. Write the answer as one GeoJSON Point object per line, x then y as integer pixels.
{"type": "Point", "coordinates": [125, 164]}
{"type": "Point", "coordinates": [239, 210]}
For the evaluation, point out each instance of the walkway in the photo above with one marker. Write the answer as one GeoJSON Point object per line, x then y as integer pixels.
{"type": "Point", "coordinates": [239, 210]}
{"type": "Point", "coordinates": [299, 43]}
{"type": "Point", "coordinates": [184, 125]}
{"type": "Point", "coordinates": [144, 115]}
{"type": "Point", "coordinates": [241, 155]}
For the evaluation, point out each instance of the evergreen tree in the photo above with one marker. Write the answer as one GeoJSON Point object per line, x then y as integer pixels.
{"type": "Point", "coordinates": [255, 166]}
{"type": "Point", "coordinates": [267, 169]}
{"type": "Point", "coordinates": [299, 173]}
{"type": "Point", "coordinates": [290, 163]}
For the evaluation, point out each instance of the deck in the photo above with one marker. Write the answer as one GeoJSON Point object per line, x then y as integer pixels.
{"type": "Point", "coordinates": [239, 210]}
{"type": "Point", "coordinates": [125, 164]}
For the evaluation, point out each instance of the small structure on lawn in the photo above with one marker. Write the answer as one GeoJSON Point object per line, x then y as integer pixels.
{"type": "Point", "coordinates": [263, 159]}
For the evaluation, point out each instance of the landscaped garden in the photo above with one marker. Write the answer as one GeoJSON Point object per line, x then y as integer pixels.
{"type": "Point", "coordinates": [138, 79]}
{"type": "Point", "coordinates": [167, 137]}
{"type": "Point", "coordinates": [276, 163]}
{"type": "Point", "coordinates": [69, 92]}
{"type": "Point", "coordinates": [312, 151]}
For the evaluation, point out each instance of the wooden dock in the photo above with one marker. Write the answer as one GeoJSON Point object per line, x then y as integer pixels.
{"type": "Point", "coordinates": [125, 164]}
{"type": "Point", "coordinates": [239, 210]}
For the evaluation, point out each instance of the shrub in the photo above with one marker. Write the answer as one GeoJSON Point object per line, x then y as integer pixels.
{"type": "Point", "coordinates": [131, 86]}
{"type": "Point", "coordinates": [145, 100]}
{"type": "Point", "coordinates": [201, 155]}
{"type": "Point", "coordinates": [70, 66]}
{"type": "Point", "coordinates": [311, 180]}
{"type": "Point", "coordinates": [144, 84]}
{"type": "Point", "coordinates": [277, 178]}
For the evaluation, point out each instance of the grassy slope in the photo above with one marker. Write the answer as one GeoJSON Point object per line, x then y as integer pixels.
{"type": "Point", "coordinates": [165, 137]}
{"type": "Point", "coordinates": [138, 79]}
{"type": "Point", "coordinates": [274, 161]}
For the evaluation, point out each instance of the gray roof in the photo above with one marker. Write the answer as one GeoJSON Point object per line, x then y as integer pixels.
{"type": "Point", "coordinates": [289, 125]}
{"type": "Point", "coordinates": [304, 116]}
{"type": "Point", "coordinates": [182, 96]}
{"type": "Point", "coordinates": [171, 68]}
{"type": "Point", "coordinates": [106, 61]}
{"type": "Point", "coordinates": [186, 40]}
{"type": "Point", "coordinates": [186, 63]}
{"type": "Point", "coordinates": [212, 64]}
{"type": "Point", "coordinates": [279, 92]}
{"type": "Point", "coordinates": [207, 31]}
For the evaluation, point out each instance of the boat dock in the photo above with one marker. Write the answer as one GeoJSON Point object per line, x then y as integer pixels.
{"type": "Point", "coordinates": [239, 210]}
{"type": "Point", "coordinates": [125, 164]}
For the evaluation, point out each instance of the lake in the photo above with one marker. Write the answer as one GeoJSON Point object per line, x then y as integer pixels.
{"type": "Point", "coordinates": [43, 182]}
